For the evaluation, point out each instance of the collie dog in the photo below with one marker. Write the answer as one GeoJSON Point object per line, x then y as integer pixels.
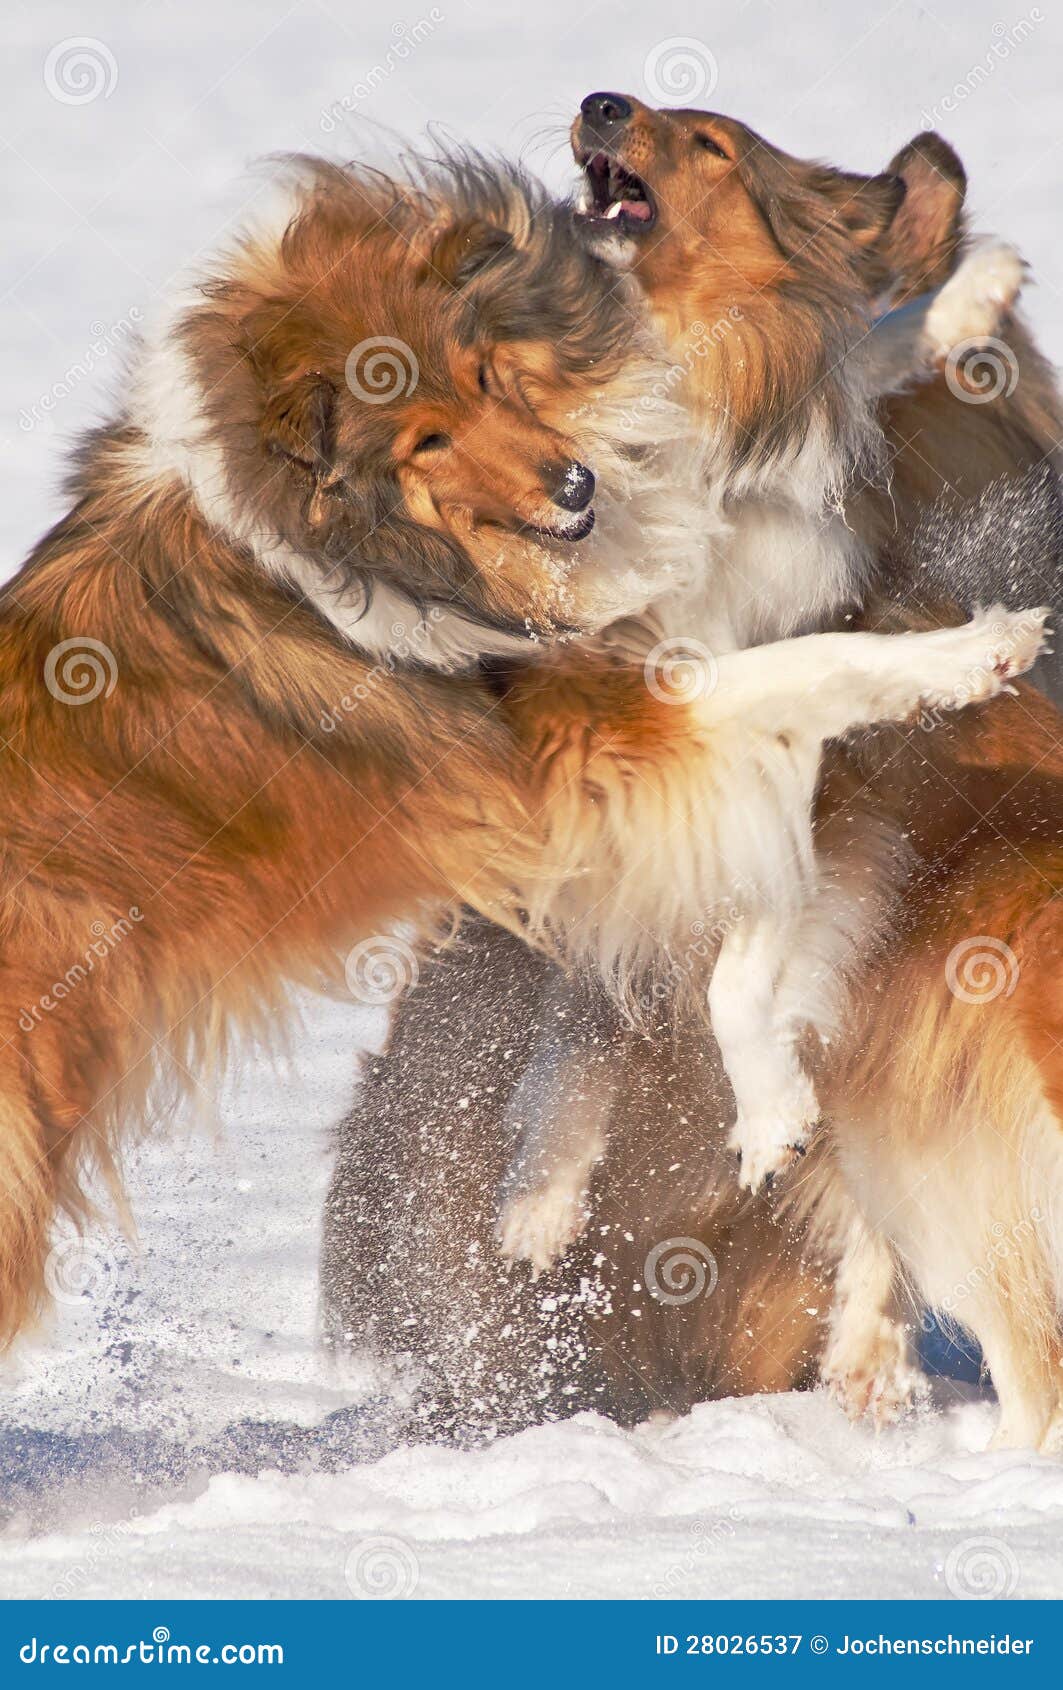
{"type": "Point", "coordinates": [245, 718]}
{"type": "Point", "coordinates": [789, 241]}
{"type": "Point", "coordinates": [946, 1112]}
{"type": "Point", "coordinates": [249, 715]}
{"type": "Point", "coordinates": [765, 298]}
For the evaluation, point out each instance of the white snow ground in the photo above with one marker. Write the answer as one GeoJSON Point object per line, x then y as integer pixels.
{"type": "Point", "coordinates": [207, 1337]}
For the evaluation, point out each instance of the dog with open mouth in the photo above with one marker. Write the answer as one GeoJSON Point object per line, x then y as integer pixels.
{"type": "Point", "coordinates": [787, 439]}
{"type": "Point", "coordinates": [378, 447]}
{"type": "Point", "coordinates": [772, 468]}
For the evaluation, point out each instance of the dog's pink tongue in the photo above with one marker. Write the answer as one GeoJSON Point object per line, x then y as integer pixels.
{"type": "Point", "coordinates": [636, 208]}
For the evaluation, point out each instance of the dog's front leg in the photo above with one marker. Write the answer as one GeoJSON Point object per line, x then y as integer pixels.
{"type": "Point", "coordinates": [911, 343]}
{"type": "Point", "coordinates": [777, 1110]}
{"type": "Point", "coordinates": [558, 1119]}
{"type": "Point", "coordinates": [822, 686]}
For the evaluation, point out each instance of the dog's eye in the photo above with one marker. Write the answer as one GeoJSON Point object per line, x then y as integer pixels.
{"type": "Point", "coordinates": [710, 146]}
{"type": "Point", "coordinates": [483, 376]}
{"type": "Point", "coordinates": [432, 443]}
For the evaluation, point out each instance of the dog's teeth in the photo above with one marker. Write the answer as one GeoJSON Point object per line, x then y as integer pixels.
{"type": "Point", "coordinates": [615, 209]}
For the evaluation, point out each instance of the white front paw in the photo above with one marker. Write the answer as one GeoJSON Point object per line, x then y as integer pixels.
{"type": "Point", "coordinates": [976, 298]}
{"type": "Point", "coordinates": [971, 664]}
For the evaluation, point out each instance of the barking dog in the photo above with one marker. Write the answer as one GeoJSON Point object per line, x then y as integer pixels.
{"type": "Point", "coordinates": [857, 269]}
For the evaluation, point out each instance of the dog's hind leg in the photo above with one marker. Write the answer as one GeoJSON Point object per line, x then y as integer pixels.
{"type": "Point", "coordinates": [558, 1118]}
{"type": "Point", "coordinates": [38, 1122]}
{"type": "Point", "coordinates": [867, 1363]}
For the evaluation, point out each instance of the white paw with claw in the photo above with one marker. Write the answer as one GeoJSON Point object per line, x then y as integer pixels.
{"type": "Point", "coordinates": [539, 1226]}
{"type": "Point", "coordinates": [973, 663]}
{"type": "Point", "coordinates": [769, 1139]}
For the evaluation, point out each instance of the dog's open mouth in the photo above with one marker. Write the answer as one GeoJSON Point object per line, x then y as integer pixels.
{"type": "Point", "coordinates": [615, 195]}
{"type": "Point", "coordinates": [571, 528]}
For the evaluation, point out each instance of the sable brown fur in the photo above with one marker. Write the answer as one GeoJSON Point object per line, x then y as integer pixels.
{"type": "Point", "coordinates": [769, 232]}
{"type": "Point", "coordinates": [246, 793]}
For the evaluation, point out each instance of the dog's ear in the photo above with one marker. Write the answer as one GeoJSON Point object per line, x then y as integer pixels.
{"type": "Point", "coordinates": [812, 209]}
{"type": "Point", "coordinates": [458, 251]}
{"type": "Point", "coordinates": [298, 421]}
{"type": "Point", "coordinates": [920, 245]}
{"type": "Point", "coordinates": [864, 207]}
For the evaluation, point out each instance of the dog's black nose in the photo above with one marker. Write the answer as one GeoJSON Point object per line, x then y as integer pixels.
{"type": "Point", "coordinates": [573, 487]}
{"type": "Point", "coordinates": [606, 108]}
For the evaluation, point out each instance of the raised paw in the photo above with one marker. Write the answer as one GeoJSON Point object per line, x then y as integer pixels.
{"type": "Point", "coordinates": [539, 1226]}
{"type": "Point", "coordinates": [769, 1140]}
{"type": "Point", "coordinates": [976, 298]}
{"type": "Point", "coordinates": [970, 664]}
{"type": "Point", "coordinates": [876, 1380]}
